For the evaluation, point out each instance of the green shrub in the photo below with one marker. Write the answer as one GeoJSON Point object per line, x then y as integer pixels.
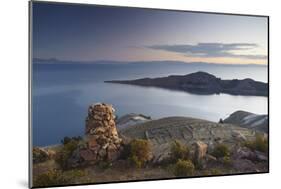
{"type": "Point", "coordinates": [221, 150]}
{"type": "Point", "coordinates": [140, 152]}
{"type": "Point", "coordinates": [259, 143]}
{"type": "Point", "coordinates": [65, 152]}
{"type": "Point", "coordinates": [184, 168]}
{"type": "Point", "coordinates": [179, 151]}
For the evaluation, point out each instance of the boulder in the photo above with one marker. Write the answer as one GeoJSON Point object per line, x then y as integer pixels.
{"type": "Point", "coordinates": [260, 156]}
{"type": "Point", "coordinates": [244, 165]}
{"type": "Point", "coordinates": [39, 155]}
{"type": "Point", "coordinates": [244, 153]}
{"type": "Point", "coordinates": [238, 135]}
{"type": "Point", "coordinates": [88, 155]}
{"type": "Point", "coordinates": [200, 150]}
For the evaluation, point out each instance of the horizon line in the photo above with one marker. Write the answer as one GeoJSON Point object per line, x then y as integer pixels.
{"type": "Point", "coordinates": [138, 61]}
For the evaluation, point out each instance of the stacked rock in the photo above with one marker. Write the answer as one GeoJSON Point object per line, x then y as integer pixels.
{"type": "Point", "coordinates": [103, 140]}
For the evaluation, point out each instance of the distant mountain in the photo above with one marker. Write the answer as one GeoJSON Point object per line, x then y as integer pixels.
{"type": "Point", "coordinates": [202, 83]}
{"type": "Point", "coordinates": [248, 120]}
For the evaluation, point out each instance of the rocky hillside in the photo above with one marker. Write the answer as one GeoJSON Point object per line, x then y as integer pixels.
{"type": "Point", "coordinates": [147, 149]}
{"type": "Point", "coordinates": [162, 132]}
{"type": "Point", "coordinates": [202, 83]}
{"type": "Point", "coordinates": [249, 120]}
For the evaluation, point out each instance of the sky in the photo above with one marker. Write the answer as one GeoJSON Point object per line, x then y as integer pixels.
{"type": "Point", "coordinates": [90, 33]}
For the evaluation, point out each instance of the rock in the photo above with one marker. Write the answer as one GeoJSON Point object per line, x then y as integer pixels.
{"type": "Point", "coordinates": [39, 155]}
{"type": "Point", "coordinates": [244, 153]}
{"type": "Point", "coordinates": [200, 150]}
{"type": "Point", "coordinates": [102, 153]}
{"type": "Point", "coordinates": [239, 136]}
{"type": "Point", "coordinates": [112, 152]}
{"type": "Point", "coordinates": [244, 165]}
{"type": "Point", "coordinates": [51, 153]}
{"type": "Point", "coordinates": [210, 158]}
{"type": "Point", "coordinates": [101, 132]}
{"type": "Point", "coordinates": [248, 120]}
{"type": "Point", "coordinates": [93, 145]}
{"type": "Point", "coordinates": [130, 120]}
{"type": "Point", "coordinates": [88, 155]}
{"type": "Point", "coordinates": [261, 156]}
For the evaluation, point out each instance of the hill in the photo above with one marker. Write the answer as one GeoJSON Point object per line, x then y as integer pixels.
{"type": "Point", "coordinates": [202, 83]}
{"type": "Point", "coordinates": [248, 120]}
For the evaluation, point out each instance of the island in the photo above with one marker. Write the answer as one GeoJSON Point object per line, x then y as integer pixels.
{"type": "Point", "coordinates": [202, 83]}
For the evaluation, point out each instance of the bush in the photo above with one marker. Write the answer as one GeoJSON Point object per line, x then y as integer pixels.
{"type": "Point", "coordinates": [179, 151]}
{"type": "Point", "coordinates": [221, 150]}
{"type": "Point", "coordinates": [184, 168]}
{"type": "Point", "coordinates": [69, 145]}
{"type": "Point", "coordinates": [260, 144]}
{"type": "Point", "coordinates": [57, 177]}
{"type": "Point", "coordinates": [140, 152]}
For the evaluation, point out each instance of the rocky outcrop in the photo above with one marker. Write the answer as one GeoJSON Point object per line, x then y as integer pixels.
{"type": "Point", "coordinates": [101, 133]}
{"type": "Point", "coordinates": [132, 119]}
{"type": "Point", "coordinates": [39, 155]}
{"type": "Point", "coordinates": [205, 135]}
{"type": "Point", "coordinates": [202, 83]}
{"type": "Point", "coordinates": [200, 151]}
{"type": "Point", "coordinates": [248, 120]}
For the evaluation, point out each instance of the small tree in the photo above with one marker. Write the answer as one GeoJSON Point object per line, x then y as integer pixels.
{"type": "Point", "coordinates": [179, 151]}
{"type": "Point", "coordinates": [221, 150]}
{"type": "Point", "coordinates": [259, 143]}
{"type": "Point", "coordinates": [66, 151]}
{"type": "Point", "coordinates": [184, 168]}
{"type": "Point", "coordinates": [140, 152]}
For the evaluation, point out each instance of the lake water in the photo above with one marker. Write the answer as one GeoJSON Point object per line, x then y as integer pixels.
{"type": "Point", "coordinates": [61, 95]}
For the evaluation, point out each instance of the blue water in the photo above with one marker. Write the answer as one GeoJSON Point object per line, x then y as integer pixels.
{"type": "Point", "coordinates": [61, 95]}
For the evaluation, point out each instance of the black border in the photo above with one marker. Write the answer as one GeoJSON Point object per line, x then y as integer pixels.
{"type": "Point", "coordinates": [116, 6]}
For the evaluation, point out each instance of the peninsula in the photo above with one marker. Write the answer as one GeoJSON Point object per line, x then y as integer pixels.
{"type": "Point", "coordinates": [202, 83]}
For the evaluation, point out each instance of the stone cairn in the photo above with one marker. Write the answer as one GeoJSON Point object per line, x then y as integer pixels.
{"type": "Point", "coordinates": [101, 133]}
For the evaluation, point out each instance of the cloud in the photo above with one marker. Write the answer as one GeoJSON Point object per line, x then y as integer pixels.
{"type": "Point", "coordinates": [212, 50]}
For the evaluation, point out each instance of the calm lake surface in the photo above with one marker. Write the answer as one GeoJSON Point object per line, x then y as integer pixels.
{"type": "Point", "coordinates": [61, 95]}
